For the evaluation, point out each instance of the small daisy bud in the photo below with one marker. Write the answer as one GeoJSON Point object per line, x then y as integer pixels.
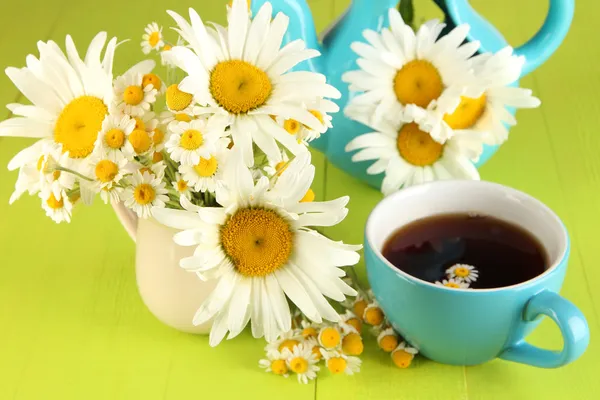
{"type": "Point", "coordinates": [336, 365]}
{"type": "Point", "coordinates": [288, 344]}
{"type": "Point", "coordinates": [387, 340]}
{"type": "Point", "coordinates": [352, 344]}
{"type": "Point", "coordinates": [279, 367]}
{"type": "Point", "coordinates": [316, 350]}
{"type": "Point", "coordinates": [402, 359]}
{"type": "Point", "coordinates": [329, 337]}
{"type": "Point", "coordinates": [373, 315]}
{"type": "Point", "coordinates": [355, 323]}
{"type": "Point", "coordinates": [309, 332]}
{"type": "Point", "coordinates": [359, 307]}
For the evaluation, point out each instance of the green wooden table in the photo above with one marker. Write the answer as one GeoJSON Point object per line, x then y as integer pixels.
{"type": "Point", "coordinates": [72, 325]}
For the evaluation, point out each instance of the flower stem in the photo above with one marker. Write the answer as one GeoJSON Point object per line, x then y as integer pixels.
{"type": "Point", "coordinates": [70, 171]}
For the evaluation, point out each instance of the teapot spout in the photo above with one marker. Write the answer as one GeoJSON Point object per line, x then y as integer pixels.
{"type": "Point", "coordinates": [301, 26]}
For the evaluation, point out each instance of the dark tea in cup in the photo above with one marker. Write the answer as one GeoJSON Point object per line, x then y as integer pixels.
{"type": "Point", "coordinates": [501, 253]}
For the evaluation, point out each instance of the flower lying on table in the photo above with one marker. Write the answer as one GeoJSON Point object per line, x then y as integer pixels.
{"type": "Point", "coordinates": [432, 104]}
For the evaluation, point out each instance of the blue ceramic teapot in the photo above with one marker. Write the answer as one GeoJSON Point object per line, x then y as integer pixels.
{"type": "Point", "coordinates": [337, 57]}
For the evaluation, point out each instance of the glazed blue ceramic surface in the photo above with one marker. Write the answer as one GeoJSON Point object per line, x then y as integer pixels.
{"type": "Point", "coordinates": [337, 57]}
{"type": "Point", "coordinates": [472, 326]}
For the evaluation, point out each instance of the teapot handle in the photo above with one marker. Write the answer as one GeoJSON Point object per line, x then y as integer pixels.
{"type": "Point", "coordinates": [128, 218]}
{"type": "Point", "coordinates": [537, 50]}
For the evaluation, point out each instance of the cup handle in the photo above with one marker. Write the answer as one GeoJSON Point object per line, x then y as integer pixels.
{"type": "Point", "coordinates": [537, 50]}
{"type": "Point", "coordinates": [572, 324]}
{"type": "Point", "coordinates": [127, 218]}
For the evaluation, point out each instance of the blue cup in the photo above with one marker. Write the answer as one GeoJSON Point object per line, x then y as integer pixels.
{"type": "Point", "coordinates": [472, 326]}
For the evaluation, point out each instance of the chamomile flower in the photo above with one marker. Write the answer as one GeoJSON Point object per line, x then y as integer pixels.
{"type": "Point", "coordinates": [388, 340]}
{"type": "Point", "coordinates": [277, 166]}
{"type": "Point", "coordinates": [156, 170]}
{"type": "Point", "coordinates": [158, 138]}
{"type": "Point", "coordinates": [403, 355]}
{"type": "Point", "coordinates": [309, 329]}
{"type": "Point", "coordinates": [275, 363]}
{"type": "Point", "coordinates": [352, 343]}
{"type": "Point", "coordinates": [487, 113]}
{"type": "Point", "coordinates": [286, 340]}
{"type": "Point", "coordinates": [59, 207]}
{"type": "Point", "coordinates": [407, 155]}
{"type": "Point", "coordinates": [373, 314]}
{"type": "Point", "coordinates": [181, 186]}
{"type": "Point", "coordinates": [302, 362]}
{"type": "Point", "coordinates": [260, 248]}
{"type": "Point", "coordinates": [107, 172]}
{"type": "Point", "coordinates": [359, 305]}
{"type": "Point", "coordinates": [52, 178]}
{"type": "Point", "coordinates": [463, 272]}
{"type": "Point", "coordinates": [140, 142]}
{"type": "Point", "coordinates": [453, 283]}
{"type": "Point", "coordinates": [330, 337]}
{"type": "Point", "coordinates": [168, 117]}
{"type": "Point", "coordinates": [145, 193]}
{"type": "Point", "coordinates": [134, 94]}
{"type": "Point", "coordinates": [190, 141]}
{"type": "Point", "coordinates": [69, 111]}
{"type": "Point", "coordinates": [113, 137]}
{"type": "Point", "coordinates": [208, 173]}
{"type": "Point", "coordinates": [152, 38]}
{"type": "Point", "coordinates": [241, 75]}
{"type": "Point", "coordinates": [399, 67]}
{"type": "Point", "coordinates": [340, 363]}
{"type": "Point", "coordinates": [320, 109]}
{"type": "Point", "coordinates": [349, 318]}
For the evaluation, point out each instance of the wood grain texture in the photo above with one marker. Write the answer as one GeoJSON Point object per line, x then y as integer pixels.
{"type": "Point", "coordinates": [72, 325]}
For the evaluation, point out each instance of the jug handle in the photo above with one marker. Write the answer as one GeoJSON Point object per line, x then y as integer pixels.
{"type": "Point", "coordinates": [127, 218]}
{"type": "Point", "coordinates": [539, 48]}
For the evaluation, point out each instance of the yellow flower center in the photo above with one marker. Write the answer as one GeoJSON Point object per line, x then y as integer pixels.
{"type": "Point", "coordinates": [56, 175]}
{"type": "Point", "coordinates": [308, 197]}
{"type": "Point", "coordinates": [139, 124]}
{"type": "Point", "coordinates": [167, 47]}
{"type": "Point", "coordinates": [152, 79]}
{"type": "Point", "coordinates": [336, 365]}
{"type": "Point", "coordinates": [288, 344]}
{"type": "Point", "coordinates": [157, 157]}
{"type": "Point", "coordinates": [41, 164]}
{"type": "Point", "coordinates": [355, 323]}
{"type": "Point", "coordinates": [140, 140]}
{"type": "Point", "coordinates": [278, 367]}
{"type": "Point", "coordinates": [309, 332]}
{"type": "Point", "coordinates": [176, 99]}
{"type": "Point", "coordinates": [133, 95]}
{"type": "Point", "coordinates": [280, 167]}
{"type": "Point", "coordinates": [461, 272]}
{"type": "Point", "coordinates": [418, 147]}
{"type": "Point", "coordinates": [330, 337]}
{"type": "Point", "coordinates": [183, 117]}
{"type": "Point", "coordinates": [158, 136]}
{"type": "Point", "coordinates": [154, 38]}
{"type": "Point", "coordinates": [291, 126]}
{"type": "Point", "coordinates": [106, 170]}
{"type": "Point", "coordinates": [182, 186]}
{"type": "Point", "coordinates": [388, 343]}
{"type": "Point", "coordinates": [115, 138]}
{"type": "Point", "coordinates": [146, 169]}
{"type": "Point", "coordinates": [402, 359]}
{"type": "Point", "coordinates": [418, 82]}
{"type": "Point", "coordinates": [467, 113]}
{"type": "Point", "coordinates": [352, 344]}
{"type": "Point", "coordinates": [78, 125]}
{"type": "Point", "coordinates": [452, 285]}
{"type": "Point", "coordinates": [318, 116]}
{"type": "Point", "coordinates": [374, 316]}
{"type": "Point", "coordinates": [359, 308]}
{"type": "Point", "coordinates": [53, 203]}
{"type": "Point", "coordinates": [258, 241]}
{"type": "Point", "coordinates": [239, 86]}
{"type": "Point", "coordinates": [299, 365]}
{"type": "Point", "coordinates": [206, 168]}
{"type": "Point", "coordinates": [317, 352]}
{"type": "Point", "coordinates": [144, 194]}
{"type": "Point", "coordinates": [191, 139]}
